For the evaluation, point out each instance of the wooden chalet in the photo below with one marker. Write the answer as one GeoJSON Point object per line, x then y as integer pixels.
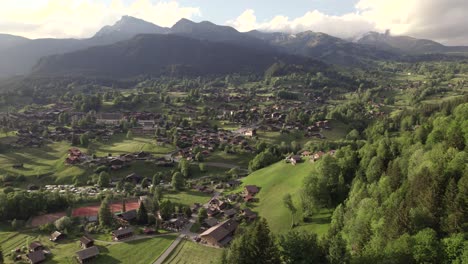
{"type": "Point", "coordinates": [248, 214]}
{"type": "Point", "coordinates": [56, 236]}
{"type": "Point", "coordinates": [36, 246]}
{"type": "Point", "coordinates": [230, 213]}
{"type": "Point", "coordinates": [221, 234]}
{"type": "Point", "coordinates": [86, 242]}
{"type": "Point", "coordinates": [251, 190]}
{"type": "Point", "coordinates": [128, 215]}
{"type": "Point", "coordinates": [122, 233]}
{"type": "Point", "coordinates": [87, 255]}
{"type": "Point", "coordinates": [36, 257]}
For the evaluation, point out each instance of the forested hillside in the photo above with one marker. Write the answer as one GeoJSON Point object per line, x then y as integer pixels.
{"type": "Point", "coordinates": [408, 201]}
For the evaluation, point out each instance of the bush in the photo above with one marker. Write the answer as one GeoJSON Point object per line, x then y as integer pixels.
{"type": "Point", "coordinates": [63, 223]}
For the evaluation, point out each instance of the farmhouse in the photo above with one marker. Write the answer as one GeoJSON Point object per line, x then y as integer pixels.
{"type": "Point", "coordinates": [248, 214]}
{"type": "Point", "coordinates": [36, 246]}
{"type": "Point", "coordinates": [129, 215]}
{"type": "Point", "coordinates": [88, 254]}
{"type": "Point", "coordinates": [230, 213]}
{"type": "Point", "coordinates": [251, 190]}
{"type": "Point", "coordinates": [295, 159]}
{"type": "Point", "coordinates": [56, 236]}
{"type": "Point", "coordinates": [36, 257]}
{"type": "Point", "coordinates": [86, 242]}
{"type": "Point", "coordinates": [221, 234]}
{"type": "Point", "coordinates": [122, 233]}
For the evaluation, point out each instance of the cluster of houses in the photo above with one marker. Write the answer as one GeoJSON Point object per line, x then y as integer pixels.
{"type": "Point", "coordinates": [208, 140]}
{"type": "Point", "coordinates": [37, 252]}
{"type": "Point", "coordinates": [220, 233]}
{"type": "Point", "coordinates": [312, 156]}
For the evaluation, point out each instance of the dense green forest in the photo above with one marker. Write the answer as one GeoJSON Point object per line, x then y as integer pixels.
{"type": "Point", "coordinates": [401, 196]}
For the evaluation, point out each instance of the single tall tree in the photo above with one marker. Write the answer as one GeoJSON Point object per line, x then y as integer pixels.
{"type": "Point", "coordinates": [202, 215]}
{"type": "Point", "coordinates": [105, 214]}
{"type": "Point", "coordinates": [142, 216]}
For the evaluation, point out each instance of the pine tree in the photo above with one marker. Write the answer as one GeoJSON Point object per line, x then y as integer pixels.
{"type": "Point", "coordinates": [255, 246]}
{"type": "Point", "coordinates": [105, 214]}
{"type": "Point", "coordinates": [264, 249]}
{"type": "Point", "coordinates": [142, 216]}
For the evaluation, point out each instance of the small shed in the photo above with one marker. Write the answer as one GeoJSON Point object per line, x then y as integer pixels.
{"type": "Point", "coordinates": [56, 236]}
{"type": "Point", "coordinates": [86, 242]}
{"type": "Point", "coordinates": [87, 255]}
{"type": "Point", "coordinates": [122, 233]}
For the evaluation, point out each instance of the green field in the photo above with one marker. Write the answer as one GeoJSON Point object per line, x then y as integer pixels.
{"type": "Point", "coordinates": [46, 165]}
{"type": "Point", "coordinates": [188, 252]}
{"type": "Point", "coordinates": [275, 181]}
{"type": "Point", "coordinates": [187, 197]}
{"type": "Point", "coordinates": [142, 251]}
{"type": "Point", "coordinates": [241, 160]}
{"type": "Point", "coordinates": [120, 144]}
{"type": "Point", "coordinates": [147, 250]}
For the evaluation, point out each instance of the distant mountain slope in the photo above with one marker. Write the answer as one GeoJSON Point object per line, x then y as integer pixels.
{"type": "Point", "coordinates": [401, 43]}
{"type": "Point", "coordinates": [212, 32]}
{"type": "Point", "coordinates": [20, 58]}
{"type": "Point", "coordinates": [324, 47]}
{"type": "Point", "coordinates": [126, 28]}
{"type": "Point", "coordinates": [8, 41]}
{"type": "Point", "coordinates": [163, 54]}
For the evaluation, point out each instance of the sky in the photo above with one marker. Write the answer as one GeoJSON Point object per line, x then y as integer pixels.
{"type": "Point", "coordinates": [445, 21]}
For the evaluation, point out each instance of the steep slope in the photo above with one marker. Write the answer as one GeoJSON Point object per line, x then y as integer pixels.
{"type": "Point", "coordinates": [163, 54]}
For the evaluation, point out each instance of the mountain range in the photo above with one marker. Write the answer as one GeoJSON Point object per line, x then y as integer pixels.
{"type": "Point", "coordinates": [20, 55]}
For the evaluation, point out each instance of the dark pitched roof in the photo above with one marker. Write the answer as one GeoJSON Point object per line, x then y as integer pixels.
{"type": "Point", "coordinates": [123, 231]}
{"type": "Point", "coordinates": [129, 215]}
{"type": "Point", "coordinates": [230, 212]}
{"type": "Point", "coordinates": [86, 240]}
{"type": "Point", "coordinates": [35, 245]}
{"type": "Point", "coordinates": [221, 230]}
{"type": "Point", "coordinates": [211, 221]}
{"type": "Point", "coordinates": [252, 189]}
{"type": "Point", "coordinates": [87, 253]}
{"type": "Point", "coordinates": [36, 256]}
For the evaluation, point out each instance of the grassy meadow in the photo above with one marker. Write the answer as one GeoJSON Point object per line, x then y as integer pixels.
{"type": "Point", "coordinates": [275, 181]}
{"type": "Point", "coordinates": [147, 250]}
{"type": "Point", "coordinates": [188, 252]}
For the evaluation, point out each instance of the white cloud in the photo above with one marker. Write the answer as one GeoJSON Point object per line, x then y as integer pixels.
{"type": "Point", "coordinates": [82, 18]}
{"type": "Point", "coordinates": [441, 20]}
